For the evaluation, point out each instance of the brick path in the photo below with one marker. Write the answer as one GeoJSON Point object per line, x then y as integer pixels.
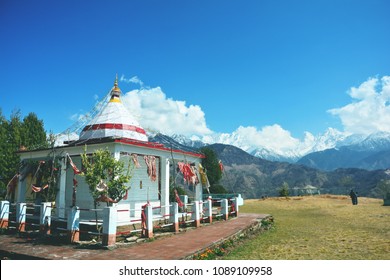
{"type": "Point", "coordinates": [173, 247]}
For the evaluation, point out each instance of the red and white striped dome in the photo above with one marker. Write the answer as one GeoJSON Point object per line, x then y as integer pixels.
{"type": "Point", "coordinates": [114, 120]}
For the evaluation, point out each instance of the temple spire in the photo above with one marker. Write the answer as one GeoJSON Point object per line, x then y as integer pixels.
{"type": "Point", "coordinates": [116, 81]}
{"type": "Point", "coordinates": [115, 92]}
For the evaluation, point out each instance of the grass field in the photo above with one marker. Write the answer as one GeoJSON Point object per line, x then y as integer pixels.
{"type": "Point", "coordinates": [322, 227]}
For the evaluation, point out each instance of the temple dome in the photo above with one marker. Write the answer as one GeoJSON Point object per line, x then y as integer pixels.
{"type": "Point", "coordinates": [114, 120]}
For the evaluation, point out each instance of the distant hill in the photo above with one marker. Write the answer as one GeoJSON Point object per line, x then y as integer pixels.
{"type": "Point", "coordinates": [254, 177]}
{"type": "Point", "coordinates": [329, 151]}
{"type": "Point", "coordinates": [372, 153]}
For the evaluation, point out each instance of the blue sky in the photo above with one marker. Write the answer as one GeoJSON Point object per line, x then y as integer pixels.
{"type": "Point", "coordinates": [250, 64]}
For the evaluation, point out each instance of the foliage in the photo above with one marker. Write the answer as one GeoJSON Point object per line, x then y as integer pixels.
{"type": "Point", "coordinates": [33, 134]}
{"type": "Point", "coordinates": [217, 189]}
{"type": "Point", "coordinates": [211, 164]}
{"type": "Point", "coordinates": [15, 135]}
{"type": "Point", "coordinates": [101, 168]}
{"type": "Point", "coordinates": [284, 190]}
{"type": "Point", "coordinates": [254, 177]}
{"type": "Point", "coordinates": [214, 252]}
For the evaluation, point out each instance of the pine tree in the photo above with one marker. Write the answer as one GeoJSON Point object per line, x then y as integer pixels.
{"type": "Point", "coordinates": [14, 142]}
{"type": "Point", "coordinates": [15, 134]}
{"type": "Point", "coordinates": [211, 164]}
{"type": "Point", "coordinates": [33, 133]}
{"type": "Point", "coordinates": [3, 148]}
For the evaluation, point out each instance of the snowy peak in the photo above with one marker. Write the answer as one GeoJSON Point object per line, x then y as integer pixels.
{"type": "Point", "coordinates": [374, 142]}
{"type": "Point", "coordinates": [330, 139]}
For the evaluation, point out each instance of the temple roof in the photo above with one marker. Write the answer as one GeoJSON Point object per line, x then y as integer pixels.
{"type": "Point", "coordinates": [114, 120]}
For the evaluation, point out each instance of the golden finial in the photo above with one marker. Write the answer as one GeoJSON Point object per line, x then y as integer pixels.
{"type": "Point", "coordinates": [116, 81]}
{"type": "Point", "coordinates": [115, 92]}
{"type": "Point", "coordinates": [116, 88]}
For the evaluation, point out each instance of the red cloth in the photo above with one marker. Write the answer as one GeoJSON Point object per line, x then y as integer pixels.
{"type": "Point", "coordinates": [151, 165]}
{"type": "Point", "coordinates": [189, 173]}
{"type": "Point", "coordinates": [221, 166]}
{"type": "Point", "coordinates": [37, 189]}
{"type": "Point", "coordinates": [178, 200]}
{"type": "Point", "coordinates": [126, 195]}
{"type": "Point", "coordinates": [135, 160]}
{"type": "Point", "coordinates": [74, 167]}
{"type": "Point", "coordinates": [104, 198]}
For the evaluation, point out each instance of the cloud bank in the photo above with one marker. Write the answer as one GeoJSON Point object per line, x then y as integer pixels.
{"type": "Point", "coordinates": [369, 111]}
{"type": "Point", "coordinates": [158, 113]}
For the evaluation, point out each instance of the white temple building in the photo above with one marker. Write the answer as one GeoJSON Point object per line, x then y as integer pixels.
{"type": "Point", "coordinates": [115, 129]}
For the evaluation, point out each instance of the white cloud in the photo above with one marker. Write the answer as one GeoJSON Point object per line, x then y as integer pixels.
{"type": "Point", "coordinates": [156, 112]}
{"type": "Point", "coordinates": [273, 138]}
{"type": "Point", "coordinates": [134, 80]}
{"type": "Point", "coordinates": [369, 112]}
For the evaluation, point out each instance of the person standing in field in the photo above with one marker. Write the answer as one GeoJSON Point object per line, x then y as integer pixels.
{"type": "Point", "coordinates": [353, 196]}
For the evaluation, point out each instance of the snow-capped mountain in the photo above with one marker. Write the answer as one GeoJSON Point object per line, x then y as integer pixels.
{"type": "Point", "coordinates": [332, 139]}
{"type": "Point", "coordinates": [379, 141]}
{"type": "Point", "coordinates": [371, 152]}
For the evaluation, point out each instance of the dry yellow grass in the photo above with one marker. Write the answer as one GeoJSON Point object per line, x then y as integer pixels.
{"type": "Point", "coordinates": [323, 227]}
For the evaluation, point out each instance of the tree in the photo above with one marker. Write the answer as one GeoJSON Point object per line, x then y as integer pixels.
{"type": "Point", "coordinates": [217, 189]}
{"type": "Point", "coordinates": [10, 143]}
{"type": "Point", "coordinates": [33, 134]}
{"type": "Point", "coordinates": [211, 164]}
{"type": "Point", "coordinates": [105, 176]}
{"type": "Point", "coordinates": [3, 148]}
{"type": "Point", "coordinates": [284, 190]}
{"type": "Point", "coordinates": [15, 134]}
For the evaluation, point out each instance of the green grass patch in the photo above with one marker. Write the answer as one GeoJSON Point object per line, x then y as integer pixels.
{"type": "Point", "coordinates": [319, 228]}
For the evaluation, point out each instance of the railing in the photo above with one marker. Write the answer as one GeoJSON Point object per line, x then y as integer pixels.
{"type": "Point", "coordinates": [22, 217]}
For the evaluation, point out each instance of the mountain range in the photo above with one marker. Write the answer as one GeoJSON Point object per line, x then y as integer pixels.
{"type": "Point", "coordinates": [371, 153]}
{"type": "Point", "coordinates": [329, 151]}
{"type": "Point", "coordinates": [255, 177]}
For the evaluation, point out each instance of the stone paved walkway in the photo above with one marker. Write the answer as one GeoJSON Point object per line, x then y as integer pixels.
{"type": "Point", "coordinates": [173, 247]}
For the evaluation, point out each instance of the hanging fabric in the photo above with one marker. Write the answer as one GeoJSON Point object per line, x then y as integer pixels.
{"type": "Point", "coordinates": [74, 167]}
{"type": "Point", "coordinates": [104, 198]}
{"type": "Point", "coordinates": [203, 178]}
{"type": "Point", "coordinates": [75, 183]}
{"type": "Point", "coordinates": [33, 187]}
{"type": "Point", "coordinates": [178, 200]}
{"type": "Point", "coordinates": [37, 189]}
{"type": "Point", "coordinates": [194, 177]}
{"type": "Point", "coordinates": [151, 167]}
{"type": "Point", "coordinates": [11, 186]}
{"type": "Point", "coordinates": [221, 166]}
{"type": "Point", "coordinates": [189, 173]}
{"type": "Point", "coordinates": [126, 195]}
{"type": "Point", "coordinates": [135, 160]}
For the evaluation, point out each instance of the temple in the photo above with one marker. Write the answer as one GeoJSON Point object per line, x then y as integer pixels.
{"type": "Point", "coordinates": [113, 128]}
